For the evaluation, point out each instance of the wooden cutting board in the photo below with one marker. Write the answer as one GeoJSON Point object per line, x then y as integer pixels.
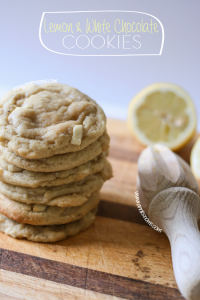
{"type": "Point", "coordinates": [119, 257]}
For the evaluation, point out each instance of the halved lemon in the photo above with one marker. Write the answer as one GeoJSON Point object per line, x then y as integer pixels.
{"type": "Point", "coordinates": [195, 159]}
{"type": "Point", "coordinates": [162, 113]}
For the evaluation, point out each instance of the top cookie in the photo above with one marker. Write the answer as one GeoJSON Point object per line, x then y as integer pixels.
{"type": "Point", "coordinates": [49, 119]}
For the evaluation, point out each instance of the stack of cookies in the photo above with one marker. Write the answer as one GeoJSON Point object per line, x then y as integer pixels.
{"type": "Point", "coordinates": [53, 148]}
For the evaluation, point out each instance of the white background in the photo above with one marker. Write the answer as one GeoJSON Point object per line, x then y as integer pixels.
{"type": "Point", "coordinates": [111, 81]}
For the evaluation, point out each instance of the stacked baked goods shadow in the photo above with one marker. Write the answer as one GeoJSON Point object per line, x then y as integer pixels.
{"type": "Point", "coordinates": [53, 148]}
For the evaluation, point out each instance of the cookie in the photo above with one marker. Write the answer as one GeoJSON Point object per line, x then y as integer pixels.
{"type": "Point", "coordinates": [45, 234]}
{"type": "Point", "coordinates": [57, 162]}
{"type": "Point", "coordinates": [64, 195]}
{"type": "Point", "coordinates": [49, 119]}
{"type": "Point", "coordinates": [18, 176]}
{"type": "Point", "coordinates": [35, 214]}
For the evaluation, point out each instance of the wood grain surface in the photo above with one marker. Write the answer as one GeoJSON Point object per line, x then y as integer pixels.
{"type": "Point", "coordinates": [118, 257]}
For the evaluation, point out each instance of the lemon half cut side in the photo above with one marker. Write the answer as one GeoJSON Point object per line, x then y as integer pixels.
{"type": "Point", "coordinates": [195, 159]}
{"type": "Point", "coordinates": [162, 113]}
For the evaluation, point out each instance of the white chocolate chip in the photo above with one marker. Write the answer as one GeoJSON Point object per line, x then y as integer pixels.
{"type": "Point", "coordinates": [85, 171]}
{"type": "Point", "coordinates": [27, 107]}
{"type": "Point", "coordinates": [39, 207]}
{"type": "Point", "coordinates": [13, 169]}
{"type": "Point", "coordinates": [77, 135]}
{"type": "Point", "coordinates": [18, 108]}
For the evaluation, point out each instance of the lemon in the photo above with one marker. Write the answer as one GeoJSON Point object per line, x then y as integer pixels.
{"type": "Point", "coordinates": [162, 113]}
{"type": "Point", "coordinates": [195, 159]}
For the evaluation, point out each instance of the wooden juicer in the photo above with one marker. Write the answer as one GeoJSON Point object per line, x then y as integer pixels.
{"type": "Point", "coordinates": [169, 194]}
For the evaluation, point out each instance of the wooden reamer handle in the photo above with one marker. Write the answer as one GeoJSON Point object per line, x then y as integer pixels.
{"type": "Point", "coordinates": [176, 211]}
